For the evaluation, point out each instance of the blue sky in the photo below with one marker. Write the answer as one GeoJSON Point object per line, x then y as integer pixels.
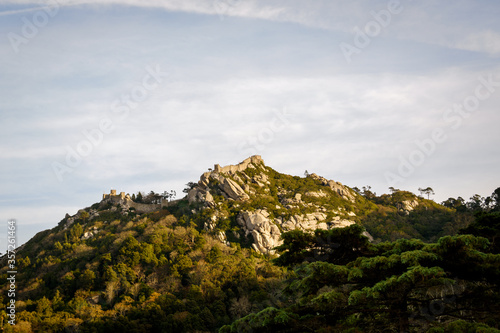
{"type": "Point", "coordinates": [149, 94]}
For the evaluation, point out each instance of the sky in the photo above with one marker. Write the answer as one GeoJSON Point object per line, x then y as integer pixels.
{"type": "Point", "coordinates": [143, 95]}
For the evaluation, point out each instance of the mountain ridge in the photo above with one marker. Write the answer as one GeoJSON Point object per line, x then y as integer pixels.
{"type": "Point", "coordinates": [246, 181]}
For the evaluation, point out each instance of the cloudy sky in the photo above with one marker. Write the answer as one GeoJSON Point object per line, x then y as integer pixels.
{"type": "Point", "coordinates": [143, 95]}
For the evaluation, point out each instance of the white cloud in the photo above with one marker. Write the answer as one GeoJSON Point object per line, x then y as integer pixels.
{"type": "Point", "coordinates": [483, 41]}
{"type": "Point", "coordinates": [18, 11]}
{"type": "Point", "coordinates": [425, 22]}
{"type": "Point", "coordinates": [227, 79]}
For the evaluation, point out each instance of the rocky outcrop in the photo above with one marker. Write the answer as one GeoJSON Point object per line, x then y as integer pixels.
{"type": "Point", "coordinates": [233, 190]}
{"type": "Point", "coordinates": [211, 224]}
{"type": "Point", "coordinates": [221, 176]}
{"type": "Point", "coordinates": [343, 191]}
{"type": "Point", "coordinates": [409, 205]}
{"type": "Point", "coordinates": [265, 233]}
{"type": "Point", "coordinates": [309, 221]}
{"type": "Point", "coordinates": [200, 195]}
{"type": "Point", "coordinates": [264, 224]}
{"type": "Point", "coordinates": [318, 194]}
{"type": "Point", "coordinates": [91, 233]}
{"type": "Point", "coordinates": [70, 220]}
{"type": "Point", "coordinates": [229, 188]}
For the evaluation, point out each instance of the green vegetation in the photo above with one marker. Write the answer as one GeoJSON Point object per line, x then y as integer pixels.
{"type": "Point", "coordinates": [390, 219]}
{"type": "Point", "coordinates": [142, 274]}
{"type": "Point", "coordinates": [342, 283]}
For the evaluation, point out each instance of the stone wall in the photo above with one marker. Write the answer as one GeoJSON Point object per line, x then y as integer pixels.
{"type": "Point", "coordinates": [143, 208]}
{"type": "Point", "coordinates": [255, 159]}
{"type": "Point", "coordinates": [126, 202]}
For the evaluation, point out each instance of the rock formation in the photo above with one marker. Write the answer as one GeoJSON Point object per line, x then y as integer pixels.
{"type": "Point", "coordinates": [409, 205]}
{"type": "Point", "coordinates": [248, 185]}
{"type": "Point", "coordinates": [342, 190]}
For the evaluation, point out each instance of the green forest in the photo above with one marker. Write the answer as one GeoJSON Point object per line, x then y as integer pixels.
{"type": "Point", "coordinates": [435, 268]}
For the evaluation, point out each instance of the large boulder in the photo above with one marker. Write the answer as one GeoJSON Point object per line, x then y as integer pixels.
{"type": "Point", "coordinates": [199, 194]}
{"type": "Point", "coordinates": [311, 221]}
{"type": "Point", "coordinates": [233, 190]}
{"type": "Point", "coordinates": [409, 205]}
{"type": "Point", "coordinates": [265, 233]}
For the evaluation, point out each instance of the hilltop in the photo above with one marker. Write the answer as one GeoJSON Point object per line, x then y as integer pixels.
{"type": "Point", "coordinates": [265, 203]}
{"type": "Point", "coordinates": [252, 204]}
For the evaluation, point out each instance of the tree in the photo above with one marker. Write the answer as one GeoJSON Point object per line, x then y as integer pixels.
{"type": "Point", "coordinates": [476, 203]}
{"type": "Point", "coordinates": [495, 199]}
{"type": "Point", "coordinates": [86, 279]}
{"type": "Point", "coordinates": [152, 198]}
{"type": "Point", "coordinates": [393, 190]}
{"type": "Point", "coordinates": [458, 204]}
{"type": "Point", "coordinates": [169, 196]}
{"type": "Point", "coordinates": [367, 193]}
{"type": "Point", "coordinates": [428, 190]}
{"type": "Point", "coordinates": [189, 187]}
{"type": "Point", "coordinates": [337, 245]}
{"type": "Point", "coordinates": [487, 225]}
{"type": "Point", "coordinates": [44, 307]}
{"type": "Point", "coordinates": [76, 232]}
{"type": "Point", "coordinates": [400, 286]}
{"type": "Point", "coordinates": [57, 301]}
{"type": "Point", "coordinates": [240, 307]}
{"type": "Point", "coordinates": [84, 216]}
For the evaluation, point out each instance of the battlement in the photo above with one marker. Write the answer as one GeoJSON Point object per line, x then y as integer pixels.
{"type": "Point", "coordinates": [112, 195]}
{"type": "Point", "coordinates": [255, 159]}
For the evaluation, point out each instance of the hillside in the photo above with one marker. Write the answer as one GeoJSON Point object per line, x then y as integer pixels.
{"type": "Point", "coordinates": [251, 202]}
{"type": "Point", "coordinates": [146, 264]}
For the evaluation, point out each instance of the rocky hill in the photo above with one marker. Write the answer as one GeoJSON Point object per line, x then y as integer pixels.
{"type": "Point", "coordinates": [252, 204]}
{"type": "Point", "coordinates": [212, 260]}
{"type": "Point", "coordinates": [265, 203]}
